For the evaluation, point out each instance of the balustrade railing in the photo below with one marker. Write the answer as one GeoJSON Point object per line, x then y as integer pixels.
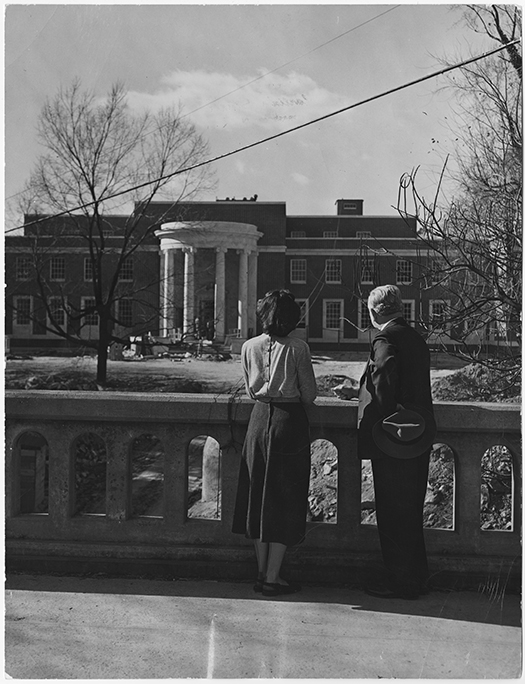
{"type": "Point", "coordinates": [133, 482]}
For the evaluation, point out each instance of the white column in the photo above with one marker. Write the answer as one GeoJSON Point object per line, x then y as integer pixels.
{"type": "Point", "coordinates": [242, 305]}
{"type": "Point", "coordinates": [189, 289]}
{"type": "Point", "coordinates": [252, 291]}
{"type": "Point", "coordinates": [220, 294]}
{"type": "Point", "coordinates": [167, 292]}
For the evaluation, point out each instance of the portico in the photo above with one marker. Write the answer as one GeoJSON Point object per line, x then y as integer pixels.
{"type": "Point", "coordinates": [200, 256]}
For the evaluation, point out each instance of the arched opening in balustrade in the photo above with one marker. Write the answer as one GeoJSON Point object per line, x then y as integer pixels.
{"type": "Point", "coordinates": [32, 455]}
{"type": "Point", "coordinates": [204, 478]}
{"type": "Point", "coordinates": [90, 466]}
{"type": "Point", "coordinates": [322, 493]}
{"type": "Point", "coordinates": [147, 477]}
{"type": "Point", "coordinates": [497, 490]}
{"type": "Point", "coordinates": [438, 512]}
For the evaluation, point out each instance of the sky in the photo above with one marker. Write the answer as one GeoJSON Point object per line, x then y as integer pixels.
{"type": "Point", "coordinates": [245, 72]}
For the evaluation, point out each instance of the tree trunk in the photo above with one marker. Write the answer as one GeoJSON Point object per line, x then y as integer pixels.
{"type": "Point", "coordinates": [102, 354]}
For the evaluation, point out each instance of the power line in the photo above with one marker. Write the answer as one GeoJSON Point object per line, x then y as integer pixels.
{"type": "Point", "coordinates": [267, 73]}
{"type": "Point", "coordinates": [166, 177]}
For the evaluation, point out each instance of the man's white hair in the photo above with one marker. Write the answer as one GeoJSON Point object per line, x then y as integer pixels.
{"type": "Point", "coordinates": [385, 300]}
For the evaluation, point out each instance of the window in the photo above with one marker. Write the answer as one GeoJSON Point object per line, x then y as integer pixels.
{"type": "Point", "coordinates": [57, 268]}
{"type": "Point", "coordinates": [90, 318]}
{"type": "Point", "coordinates": [363, 318]}
{"type": "Point", "coordinates": [23, 268]}
{"type": "Point", "coordinates": [438, 313]}
{"type": "Point", "coordinates": [333, 271]}
{"type": "Point", "coordinates": [125, 313]}
{"type": "Point", "coordinates": [298, 233]}
{"type": "Point", "coordinates": [126, 270]}
{"type": "Point", "coordinates": [22, 306]}
{"type": "Point", "coordinates": [409, 308]}
{"type": "Point", "coordinates": [363, 234]}
{"type": "Point", "coordinates": [333, 314]}
{"type": "Point", "coordinates": [303, 321]}
{"type": "Point", "coordinates": [58, 312]}
{"type": "Point", "coordinates": [88, 269]}
{"type": "Point", "coordinates": [298, 270]}
{"type": "Point", "coordinates": [403, 272]}
{"type": "Point", "coordinates": [330, 233]}
{"type": "Point", "coordinates": [367, 271]}
{"type": "Point", "coordinates": [349, 206]}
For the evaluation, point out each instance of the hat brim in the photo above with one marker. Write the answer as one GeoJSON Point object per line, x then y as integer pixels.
{"type": "Point", "coordinates": [404, 450]}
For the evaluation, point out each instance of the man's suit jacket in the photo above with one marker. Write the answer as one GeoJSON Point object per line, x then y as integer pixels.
{"type": "Point", "coordinates": [397, 372]}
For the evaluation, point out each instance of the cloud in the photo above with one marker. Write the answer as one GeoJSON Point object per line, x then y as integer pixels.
{"type": "Point", "coordinates": [224, 101]}
{"type": "Point", "coordinates": [300, 179]}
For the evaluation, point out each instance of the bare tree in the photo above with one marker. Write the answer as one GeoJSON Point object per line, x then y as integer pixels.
{"type": "Point", "coordinates": [97, 151]}
{"type": "Point", "coordinates": [474, 239]}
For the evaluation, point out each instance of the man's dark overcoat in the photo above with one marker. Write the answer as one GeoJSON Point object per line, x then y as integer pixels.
{"type": "Point", "coordinates": [397, 372]}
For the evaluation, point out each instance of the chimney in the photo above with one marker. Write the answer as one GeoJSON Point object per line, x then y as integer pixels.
{"type": "Point", "coordinates": [349, 207]}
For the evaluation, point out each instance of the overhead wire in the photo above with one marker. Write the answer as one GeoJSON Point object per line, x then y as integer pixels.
{"type": "Point", "coordinates": [243, 148]}
{"type": "Point", "coordinates": [262, 76]}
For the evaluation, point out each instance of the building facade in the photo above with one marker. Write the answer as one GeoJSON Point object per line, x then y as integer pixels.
{"type": "Point", "coordinates": [203, 265]}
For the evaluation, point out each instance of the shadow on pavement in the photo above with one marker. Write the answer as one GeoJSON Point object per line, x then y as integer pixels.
{"type": "Point", "coordinates": [470, 606]}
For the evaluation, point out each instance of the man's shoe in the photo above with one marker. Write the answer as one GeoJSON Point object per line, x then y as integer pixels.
{"type": "Point", "coordinates": [270, 589]}
{"type": "Point", "coordinates": [387, 593]}
{"type": "Point", "coordinates": [258, 586]}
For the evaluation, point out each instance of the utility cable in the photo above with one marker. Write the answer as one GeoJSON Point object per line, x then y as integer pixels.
{"type": "Point", "coordinates": [166, 177]}
{"type": "Point", "coordinates": [267, 73]}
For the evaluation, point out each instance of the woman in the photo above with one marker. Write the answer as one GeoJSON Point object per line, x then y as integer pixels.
{"type": "Point", "coordinates": [274, 476]}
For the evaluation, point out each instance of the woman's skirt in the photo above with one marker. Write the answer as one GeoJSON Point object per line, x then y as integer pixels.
{"type": "Point", "coordinates": [272, 492]}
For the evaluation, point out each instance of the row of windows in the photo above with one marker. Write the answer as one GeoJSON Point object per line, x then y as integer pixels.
{"type": "Point", "coordinates": [360, 234]}
{"type": "Point", "coordinates": [333, 313]}
{"type": "Point", "coordinates": [57, 269]}
{"type": "Point", "coordinates": [23, 311]}
{"type": "Point", "coordinates": [333, 270]}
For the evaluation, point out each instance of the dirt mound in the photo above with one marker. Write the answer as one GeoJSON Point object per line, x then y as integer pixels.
{"type": "Point", "coordinates": [476, 383]}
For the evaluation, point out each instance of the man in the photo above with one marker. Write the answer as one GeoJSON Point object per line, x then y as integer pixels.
{"type": "Point", "coordinates": [395, 430]}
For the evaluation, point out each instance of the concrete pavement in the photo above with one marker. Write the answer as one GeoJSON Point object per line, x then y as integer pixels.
{"type": "Point", "coordinates": [103, 628]}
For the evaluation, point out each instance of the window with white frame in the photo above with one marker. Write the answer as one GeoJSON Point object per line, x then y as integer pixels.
{"type": "Point", "coordinates": [22, 313]}
{"type": "Point", "coordinates": [90, 318]}
{"type": "Point", "coordinates": [333, 314]}
{"type": "Point", "coordinates": [57, 268]}
{"type": "Point", "coordinates": [303, 321]}
{"type": "Point", "coordinates": [126, 270]}
{"type": "Point", "coordinates": [409, 310]}
{"type": "Point", "coordinates": [23, 268]}
{"type": "Point", "coordinates": [298, 270]}
{"type": "Point", "coordinates": [330, 233]}
{"type": "Point", "coordinates": [438, 313]}
{"type": "Point", "coordinates": [349, 206]}
{"type": "Point", "coordinates": [367, 271]}
{"type": "Point", "coordinates": [403, 272]}
{"type": "Point", "coordinates": [57, 310]}
{"type": "Point", "coordinates": [125, 312]}
{"type": "Point", "coordinates": [333, 271]}
{"type": "Point", "coordinates": [363, 315]}
{"type": "Point", "coordinates": [88, 269]}
{"type": "Point", "coordinates": [363, 234]}
{"type": "Point", "coordinates": [298, 233]}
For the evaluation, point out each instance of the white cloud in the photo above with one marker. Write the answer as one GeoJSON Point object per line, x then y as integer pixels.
{"type": "Point", "coordinates": [300, 179]}
{"type": "Point", "coordinates": [223, 101]}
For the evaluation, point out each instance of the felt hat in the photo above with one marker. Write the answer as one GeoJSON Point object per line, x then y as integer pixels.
{"type": "Point", "coordinates": [407, 433]}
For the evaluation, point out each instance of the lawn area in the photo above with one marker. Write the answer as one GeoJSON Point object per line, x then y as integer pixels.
{"type": "Point", "coordinates": [168, 375]}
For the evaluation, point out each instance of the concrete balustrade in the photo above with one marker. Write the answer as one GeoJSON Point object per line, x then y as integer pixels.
{"type": "Point", "coordinates": [174, 544]}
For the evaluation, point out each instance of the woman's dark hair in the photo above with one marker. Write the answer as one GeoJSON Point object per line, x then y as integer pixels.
{"type": "Point", "coordinates": [278, 312]}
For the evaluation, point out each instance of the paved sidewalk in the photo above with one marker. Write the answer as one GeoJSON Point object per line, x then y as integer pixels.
{"type": "Point", "coordinates": [100, 628]}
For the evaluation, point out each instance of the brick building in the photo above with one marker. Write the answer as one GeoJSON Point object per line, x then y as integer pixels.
{"type": "Point", "coordinates": [204, 264]}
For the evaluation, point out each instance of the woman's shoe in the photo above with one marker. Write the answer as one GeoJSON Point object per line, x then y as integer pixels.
{"type": "Point", "coordinates": [270, 589]}
{"type": "Point", "coordinates": [258, 586]}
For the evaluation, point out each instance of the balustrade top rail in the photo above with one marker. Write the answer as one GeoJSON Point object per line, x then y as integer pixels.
{"type": "Point", "coordinates": [213, 409]}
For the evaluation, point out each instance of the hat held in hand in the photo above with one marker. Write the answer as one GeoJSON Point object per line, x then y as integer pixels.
{"type": "Point", "coordinates": [407, 433]}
